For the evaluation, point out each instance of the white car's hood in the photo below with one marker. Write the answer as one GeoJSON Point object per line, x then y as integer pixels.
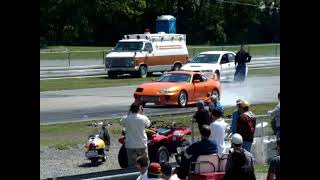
{"type": "Point", "coordinates": [199, 67]}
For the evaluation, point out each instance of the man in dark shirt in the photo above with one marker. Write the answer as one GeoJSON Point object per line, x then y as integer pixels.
{"type": "Point", "coordinates": [203, 147]}
{"type": "Point", "coordinates": [242, 57]}
{"type": "Point", "coordinates": [202, 116]}
{"type": "Point", "coordinates": [274, 168]}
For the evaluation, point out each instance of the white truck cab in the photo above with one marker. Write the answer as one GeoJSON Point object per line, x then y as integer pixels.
{"type": "Point", "coordinates": [220, 62]}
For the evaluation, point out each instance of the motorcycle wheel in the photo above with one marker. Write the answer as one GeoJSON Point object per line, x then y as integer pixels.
{"type": "Point", "coordinates": [122, 157]}
{"type": "Point", "coordinates": [94, 161]}
{"type": "Point", "coordinates": [162, 155]}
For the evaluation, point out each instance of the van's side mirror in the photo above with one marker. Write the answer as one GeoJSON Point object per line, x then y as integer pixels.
{"type": "Point", "coordinates": [196, 81]}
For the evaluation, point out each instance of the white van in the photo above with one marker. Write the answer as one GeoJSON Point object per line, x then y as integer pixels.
{"type": "Point", "coordinates": [142, 54]}
{"type": "Point", "coordinates": [220, 62]}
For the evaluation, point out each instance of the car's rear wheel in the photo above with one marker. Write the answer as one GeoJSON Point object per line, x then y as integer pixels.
{"type": "Point", "coordinates": [162, 155]}
{"type": "Point", "coordinates": [218, 74]}
{"type": "Point", "coordinates": [216, 93]}
{"type": "Point", "coordinates": [183, 99]}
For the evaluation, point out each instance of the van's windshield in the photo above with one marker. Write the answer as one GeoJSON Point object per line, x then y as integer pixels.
{"type": "Point", "coordinates": [206, 58]}
{"type": "Point", "coordinates": [128, 46]}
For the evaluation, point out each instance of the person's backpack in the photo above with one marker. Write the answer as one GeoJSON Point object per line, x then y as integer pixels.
{"type": "Point", "coordinates": [248, 127]}
{"type": "Point", "coordinates": [240, 170]}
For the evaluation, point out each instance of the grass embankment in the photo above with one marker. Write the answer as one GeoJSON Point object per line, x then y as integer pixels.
{"type": "Point", "coordinates": [93, 82]}
{"type": "Point", "coordinates": [65, 136]}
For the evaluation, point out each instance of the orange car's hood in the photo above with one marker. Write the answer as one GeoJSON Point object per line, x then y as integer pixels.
{"type": "Point", "coordinates": [157, 86]}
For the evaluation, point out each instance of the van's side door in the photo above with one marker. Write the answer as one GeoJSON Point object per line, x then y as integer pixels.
{"type": "Point", "coordinates": [149, 52]}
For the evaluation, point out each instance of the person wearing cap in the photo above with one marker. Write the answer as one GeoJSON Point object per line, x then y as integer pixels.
{"type": "Point", "coordinates": [154, 172]}
{"type": "Point", "coordinates": [240, 162]}
{"type": "Point", "coordinates": [167, 174]}
{"type": "Point", "coordinates": [246, 125]}
{"type": "Point", "coordinates": [142, 166]}
{"type": "Point", "coordinates": [191, 153]}
{"type": "Point", "coordinates": [202, 116]}
{"type": "Point", "coordinates": [242, 58]}
{"type": "Point", "coordinates": [214, 103]}
{"type": "Point", "coordinates": [235, 116]}
{"type": "Point", "coordinates": [218, 130]}
{"type": "Point", "coordinates": [136, 138]}
{"type": "Point", "coordinates": [275, 114]}
{"type": "Point", "coordinates": [274, 168]}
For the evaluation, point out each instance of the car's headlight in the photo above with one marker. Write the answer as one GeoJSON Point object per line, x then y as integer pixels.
{"type": "Point", "coordinates": [166, 91]}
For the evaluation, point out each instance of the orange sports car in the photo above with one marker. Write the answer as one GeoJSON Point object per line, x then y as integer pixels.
{"type": "Point", "coordinates": [178, 88]}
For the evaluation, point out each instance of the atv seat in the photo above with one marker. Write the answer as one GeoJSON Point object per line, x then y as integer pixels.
{"type": "Point", "coordinates": [164, 131]}
{"type": "Point", "coordinates": [223, 162]}
{"type": "Point", "coordinates": [206, 163]}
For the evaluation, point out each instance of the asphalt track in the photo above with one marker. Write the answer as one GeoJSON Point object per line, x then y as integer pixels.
{"type": "Point", "coordinates": [94, 103]}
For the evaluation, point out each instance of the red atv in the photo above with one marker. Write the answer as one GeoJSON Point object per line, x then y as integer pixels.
{"type": "Point", "coordinates": [162, 143]}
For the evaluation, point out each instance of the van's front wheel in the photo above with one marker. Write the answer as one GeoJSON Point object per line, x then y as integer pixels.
{"type": "Point", "coordinates": [176, 67]}
{"type": "Point", "coordinates": [143, 71]}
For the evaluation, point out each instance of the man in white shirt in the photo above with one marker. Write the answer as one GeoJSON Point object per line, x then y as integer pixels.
{"type": "Point", "coordinates": [142, 166]}
{"type": "Point", "coordinates": [136, 138]}
{"type": "Point", "coordinates": [218, 129]}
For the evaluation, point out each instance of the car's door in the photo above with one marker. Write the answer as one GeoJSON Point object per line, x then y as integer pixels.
{"type": "Point", "coordinates": [225, 66]}
{"type": "Point", "coordinates": [231, 57]}
{"type": "Point", "coordinates": [199, 85]}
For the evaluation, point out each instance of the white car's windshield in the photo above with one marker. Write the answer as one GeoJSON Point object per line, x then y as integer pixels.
{"type": "Point", "coordinates": [172, 77]}
{"type": "Point", "coordinates": [206, 58]}
{"type": "Point", "coordinates": [128, 46]}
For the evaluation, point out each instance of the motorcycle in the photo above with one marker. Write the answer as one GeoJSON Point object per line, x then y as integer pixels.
{"type": "Point", "coordinates": [163, 141]}
{"type": "Point", "coordinates": [99, 143]}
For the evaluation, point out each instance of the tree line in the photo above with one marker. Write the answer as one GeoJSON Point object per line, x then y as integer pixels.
{"type": "Point", "coordinates": [104, 22]}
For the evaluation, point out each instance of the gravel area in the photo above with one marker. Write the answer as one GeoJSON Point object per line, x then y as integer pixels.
{"type": "Point", "coordinates": [56, 163]}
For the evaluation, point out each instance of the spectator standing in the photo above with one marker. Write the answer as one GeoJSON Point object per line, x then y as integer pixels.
{"type": "Point", "coordinates": [136, 138]}
{"type": "Point", "coordinates": [242, 58]}
{"type": "Point", "coordinates": [246, 125]}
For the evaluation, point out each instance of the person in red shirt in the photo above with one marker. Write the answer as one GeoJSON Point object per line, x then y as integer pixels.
{"type": "Point", "coordinates": [246, 125]}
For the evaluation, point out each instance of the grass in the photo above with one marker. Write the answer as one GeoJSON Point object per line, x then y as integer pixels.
{"type": "Point", "coordinates": [92, 82]}
{"type": "Point", "coordinates": [66, 136]}
{"type": "Point", "coordinates": [264, 72]}
{"type": "Point", "coordinates": [261, 168]}
{"type": "Point", "coordinates": [265, 50]}
{"type": "Point", "coordinates": [95, 82]}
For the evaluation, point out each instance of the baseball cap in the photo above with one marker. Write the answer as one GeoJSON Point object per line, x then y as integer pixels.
{"type": "Point", "coordinates": [154, 169]}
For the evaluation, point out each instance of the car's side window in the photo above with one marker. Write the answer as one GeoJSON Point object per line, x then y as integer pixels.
{"type": "Point", "coordinates": [231, 57]}
{"type": "Point", "coordinates": [204, 78]}
{"type": "Point", "coordinates": [224, 59]}
{"type": "Point", "coordinates": [197, 77]}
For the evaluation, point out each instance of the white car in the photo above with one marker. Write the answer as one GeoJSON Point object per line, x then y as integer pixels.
{"type": "Point", "coordinates": [220, 62]}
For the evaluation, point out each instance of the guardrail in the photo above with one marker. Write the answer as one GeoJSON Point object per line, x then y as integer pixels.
{"type": "Point", "coordinates": [94, 70]}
